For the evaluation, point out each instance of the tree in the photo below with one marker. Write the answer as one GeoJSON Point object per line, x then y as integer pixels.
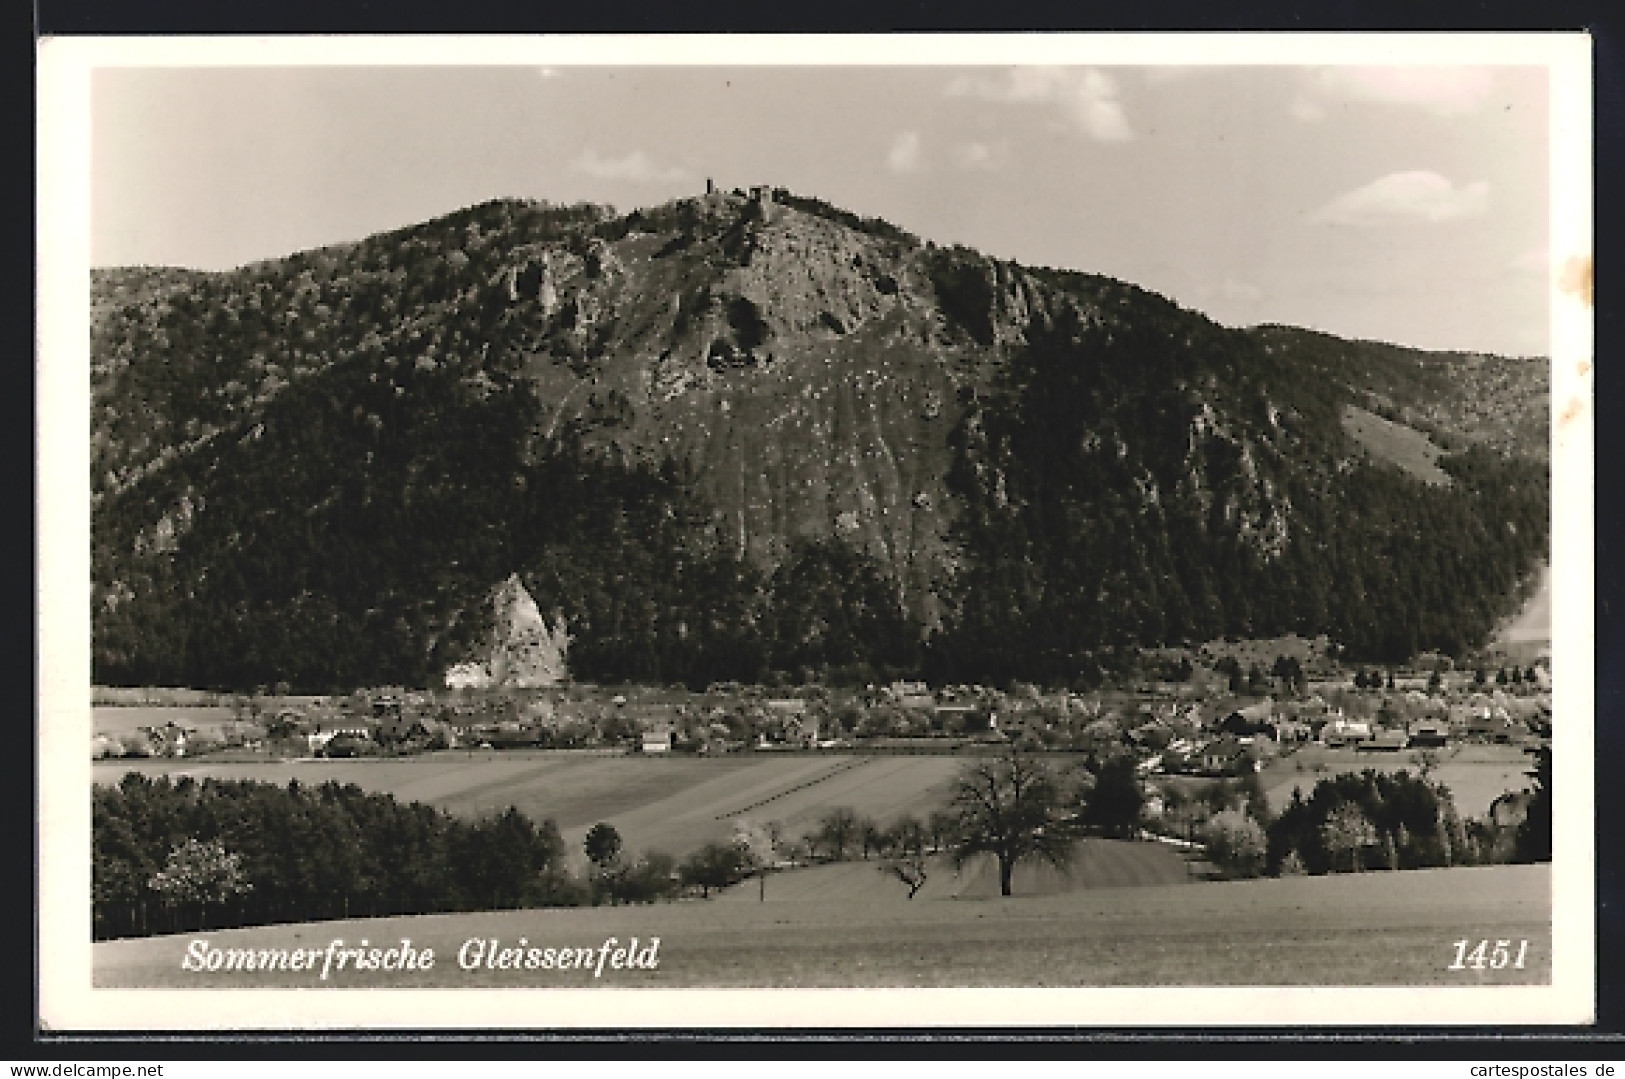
{"type": "Point", "coordinates": [201, 874]}
{"type": "Point", "coordinates": [759, 845]}
{"type": "Point", "coordinates": [602, 845]}
{"type": "Point", "coordinates": [943, 825]}
{"type": "Point", "coordinates": [649, 878]}
{"type": "Point", "coordinates": [1114, 803]}
{"type": "Point", "coordinates": [874, 838]}
{"type": "Point", "coordinates": [1236, 843]}
{"type": "Point", "coordinates": [715, 865]}
{"type": "Point", "coordinates": [838, 830]}
{"type": "Point", "coordinates": [1347, 830]}
{"type": "Point", "coordinates": [1534, 841]}
{"type": "Point", "coordinates": [1010, 807]}
{"type": "Point", "coordinates": [909, 836]}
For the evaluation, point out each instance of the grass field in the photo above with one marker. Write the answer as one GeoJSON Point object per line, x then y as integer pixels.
{"type": "Point", "coordinates": [1397, 444]}
{"type": "Point", "coordinates": [1475, 774]}
{"type": "Point", "coordinates": [1096, 864]}
{"type": "Point", "coordinates": [1356, 930]}
{"type": "Point", "coordinates": [671, 804]}
{"type": "Point", "coordinates": [122, 720]}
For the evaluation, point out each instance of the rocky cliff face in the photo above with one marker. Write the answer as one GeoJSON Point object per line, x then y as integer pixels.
{"type": "Point", "coordinates": [524, 651]}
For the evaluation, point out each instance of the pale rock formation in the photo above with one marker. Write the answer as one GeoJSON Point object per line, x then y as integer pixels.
{"type": "Point", "coordinates": [525, 650]}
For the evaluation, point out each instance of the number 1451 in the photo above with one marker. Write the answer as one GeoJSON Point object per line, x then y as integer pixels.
{"type": "Point", "coordinates": [1498, 956]}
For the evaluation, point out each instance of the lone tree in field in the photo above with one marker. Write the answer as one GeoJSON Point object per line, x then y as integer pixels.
{"type": "Point", "coordinates": [603, 845]}
{"type": "Point", "coordinates": [1010, 807]}
{"type": "Point", "coordinates": [201, 874]}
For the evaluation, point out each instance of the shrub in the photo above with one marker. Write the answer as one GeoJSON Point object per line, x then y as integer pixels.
{"type": "Point", "coordinates": [1235, 843]}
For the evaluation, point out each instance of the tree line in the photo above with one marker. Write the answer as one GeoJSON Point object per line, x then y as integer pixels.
{"type": "Point", "coordinates": [187, 855]}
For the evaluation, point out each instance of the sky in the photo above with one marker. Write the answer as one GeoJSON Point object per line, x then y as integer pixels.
{"type": "Point", "coordinates": [1406, 204]}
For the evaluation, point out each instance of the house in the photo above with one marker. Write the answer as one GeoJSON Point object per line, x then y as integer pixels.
{"type": "Point", "coordinates": [1254, 719]}
{"type": "Point", "coordinates": [961, 718]}
{"type": "Point", "coordinates": [1292, 730]}
{"type": "Point", "coordinates": [912, 695]}
{"type": "Point", "coordinates": [1345, 732]}
{"type": "Point", "coordinates": [1225, 757]}
{"type": "Point", "coordinates": [1383, 741]}
{"type": "Point", "coordinates": [1429, 736]}
{"type": "Point", "coordinates": [1492, 724]}
{"type": "Point", "coordinates": [317, 740]}
{"type": "Point", "coordinates": [657, 740]}
{"type": "Point", "coordinates": [168, 740]}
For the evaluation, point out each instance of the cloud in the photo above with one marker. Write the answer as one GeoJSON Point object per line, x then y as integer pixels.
{"type": "Point", "coordinates": [1443, 91]}
{"type": "Point", "coordinates": [981, 155]}
{"type": "Point", "coordinates": [636, 166]}
{"type": "Point", "coordinates": [1085, 96]}
{"type": "Point", "coordinates": [1406, 196]}
{"type": "Point", "coordinates": [904, 155]}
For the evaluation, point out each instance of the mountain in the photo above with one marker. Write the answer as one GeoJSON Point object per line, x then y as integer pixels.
{"type": "Point", "coordinates": [750, 431]}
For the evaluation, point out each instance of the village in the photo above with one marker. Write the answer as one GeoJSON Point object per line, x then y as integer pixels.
{"type": "Point", "coordinates": [1207, 724]}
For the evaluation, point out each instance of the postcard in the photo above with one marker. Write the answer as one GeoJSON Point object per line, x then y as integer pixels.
{"type": "Point", "coordinates": [1060, 530]}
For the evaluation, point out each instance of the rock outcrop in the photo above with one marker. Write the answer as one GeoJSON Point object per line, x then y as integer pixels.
{"type": "Point", "coordinates": [525, 652]}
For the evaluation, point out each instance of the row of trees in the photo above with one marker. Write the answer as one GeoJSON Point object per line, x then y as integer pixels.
{"type": "Point", "coordinates": [170, 856]}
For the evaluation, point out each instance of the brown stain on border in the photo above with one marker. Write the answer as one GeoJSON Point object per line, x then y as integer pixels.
{"type": "Point", "coordinates": [1571, 412]}
{"type": "Point", "coordinates": [1578, 278]}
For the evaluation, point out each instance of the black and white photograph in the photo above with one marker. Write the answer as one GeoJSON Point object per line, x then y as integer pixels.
{"type": "Point", "coordinates": [1059, 529]}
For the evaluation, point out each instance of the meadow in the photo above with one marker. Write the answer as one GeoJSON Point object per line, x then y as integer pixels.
{"type": "Point", "coordinates": [1095, 864]}
{"type": "Point", "coordinates": [672, 804]}
{"type": "Point", "coordinates": [1475, 774]}
{"type": "Point", "coordinates": [1378, 929]}
{"type": "Point", "coordinates": [115, 720]}
{"type": "Point", "coordinates": [677, 804]}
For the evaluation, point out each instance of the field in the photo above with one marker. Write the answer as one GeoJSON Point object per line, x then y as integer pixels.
{"type": "Point", "coordinates": [1475, 774]}
{"type": "Point", "coordinates": [1096, 864]}
{"type": "Point", "coordinates": [671, 804]}
{"type": "Point", "coordinates": [679, 803]}
{"type": "Point", "coordinates": [1397, 444]}
{"type": "Point", "coordinates": [123, 720]}
{"type": "Point", "coordinates": [1353, 930]}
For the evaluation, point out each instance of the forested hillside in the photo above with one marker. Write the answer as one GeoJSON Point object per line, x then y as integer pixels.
{"type": "Point", "coordinates": [746, 434]}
